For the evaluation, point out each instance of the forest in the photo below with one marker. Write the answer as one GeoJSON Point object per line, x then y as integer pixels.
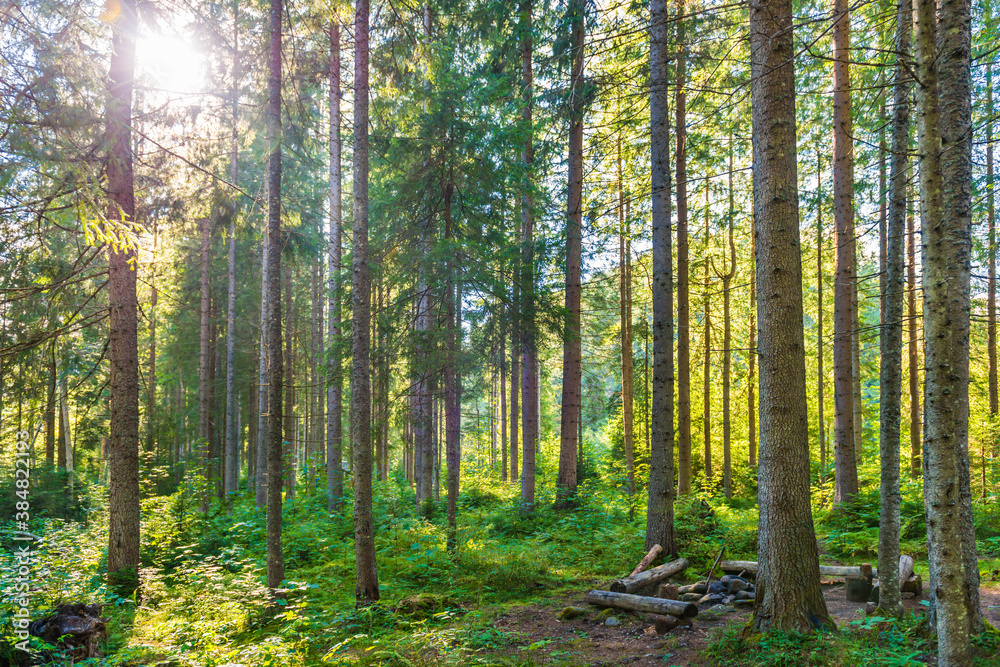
{"type": "Point", "coordinates": [496, 332]}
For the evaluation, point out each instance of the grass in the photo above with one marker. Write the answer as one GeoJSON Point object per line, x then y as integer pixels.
{"type": "Point", "coordinates": [204, 601]}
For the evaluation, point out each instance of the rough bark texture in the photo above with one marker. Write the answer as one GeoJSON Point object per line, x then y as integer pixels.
{"type": "Point", "coordinates": [642, 603]}
{"type": "Point", "coordinates": [515, 393]}
{"type": "Point", "coordinates": [123, 350]}
{"type": "Point", "coordinates": [891, 339]}
{"type": "Point", "coordinates": [263, 437]}
{"type": "Point", "coordinates": [625, 326]}
{"type": "Point", "coordinates": [453, 414]}
{"type": "Point", "coordinates": [727, 338]}
{"type": "Point", "coordinates": [788, 591]}
{"type": "Point", "coordinates": [660, 508]}
{"type": "Point", "coordinates": [706, 357]}
{"type": "Point", "coordinates": [572, 354]}
{"type": "Point", "coordinates": [232, 473]}
{"type": "Point", "coordinates": [820, 397]}
{"type": "Point", "coordinates": [421, 416]}
{"type": "Point", "coordinates": [366, 585]}
{"type": "Point", "coordinates": [334, 392]}
{"type": "Point", "coordinates": [991, 285]}
{"type": "Point", "coordinates": [151, 369]}
{"type": "Point", "coordinates": [529, 380]}
{"type": "Point", "coordinates": [752, 431]}
{"type": "Point", "coordinates": [50, 405]}
{"type": "Point", "coordinates": [683, 308]}
{"type": "Point", "coordinates": [944, 136]}
{"type": "Point", "coordinates": [289, 440]}
{"type": "Point", "coordinates": [204, 351]}
{"type": "Point", "coordinates": [845, 465]}
{"type": "Point", "coordinates": [275, 559]}
{"type": "Point", "coordinates": [913, 358]}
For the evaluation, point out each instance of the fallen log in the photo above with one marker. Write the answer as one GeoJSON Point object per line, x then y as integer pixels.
{"type": "Point", "coordinates": [642, 603]}
{"type": "Point", "coordinates": [845, 571]}
{"type": "Point", "coordinates": [650, 577]}
{"type": "Point", "coordinates": [647, 560]}
{"type": "Point", "coordinates": [905, 569]}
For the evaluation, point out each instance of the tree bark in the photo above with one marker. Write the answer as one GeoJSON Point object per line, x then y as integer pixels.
{"type": "Point", "coordinates": [503, 406]}
{"type": "Point", "coordinates": [275, 558]}
{"type": "Point", "coordinates": [123, 350]}
{"type": "Point", "coordinates": [820, 396]}
{"type": "Point", "coordinates": [660, 506]}
{"type": "Point", "coordinates": [232, 474]}
{"type": "Point", "coordinates": [572, 353]}
{"type": "Point", "coordinates": [845, 464]}
{"type": "Point", "coordinates": [625, 326]}
{"type": "Point", "coordinates": [453, 414]}
{"type": "Point", "coordinates": [291, 461]}
{"type": "Point", "coordinates": [727, 338]}
{"type": "Point", "coordinates": [944, 124]}
{"type": "Point", "coordinates": [683, 308]}
{"type": "Point", "coordinates": [366, 587]}
{"type": "Point", "coordinates": [639, 580]}
{"type": "Point", "coordinates": [891, 339]}
{"type": "Point", "coordinates": [913, 358]}
{"type": "Point", "coordinates": [642, 603]}
{"type": "Point", "coordinates": [205, 357]}
{"type": "Point", "coordinates": [788, 593]}
{"type": "Point", "coordinates": [991, 285]}
{"type": "Point", "coordinates": [752, 350]}
{"type": "Point", "coordinates": [151, 382]}
{"type": "Point", "coordinates": [334, 395]}
{"type": "Point", "coordinates": [706, 373]}
{"type": "Point", "coordinates": [51, 457]}
{"type": "Point", "coordinates": [515, 393]}
{"type": "Point", "coordinates": [263, 423]}
{"type": "Point", "coordinates": [529, 380]}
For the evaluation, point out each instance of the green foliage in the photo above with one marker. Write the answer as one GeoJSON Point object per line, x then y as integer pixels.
{"type": "Point", "coordinates": [49, 495]}
{"type": "Point", "coordinates": [868, 642]}
{"type": "Point", "coordinates": [852, 528]}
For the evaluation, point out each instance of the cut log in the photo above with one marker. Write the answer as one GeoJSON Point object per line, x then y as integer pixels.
{"type": "Point", "coordinates": [647, 560]}
{"type": "Point", "coordinates": [905, 570]}
{"type": "Point", "coordinates": [649, 577]}
{"type": "Point", "coordinates": [859, 589]}
{"type": "Point", "coordinates": [642, 603]}
{"type": "Point", "coordinates": [665, 624]}
{"type": "Point", "coordinates": [750, 567]}
{"type": "Point", "coordinates": [914, 585]}
{"type": "Point", "coordinates": [668, 592]}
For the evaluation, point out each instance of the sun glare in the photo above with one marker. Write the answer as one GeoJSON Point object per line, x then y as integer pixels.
{"type": "Point", "coordinates": [171, 64]}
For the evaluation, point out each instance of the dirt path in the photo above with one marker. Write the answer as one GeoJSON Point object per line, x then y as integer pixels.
{"type": "Point", "coordinates": [537, 635]}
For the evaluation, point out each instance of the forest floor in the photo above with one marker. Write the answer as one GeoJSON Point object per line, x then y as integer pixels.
{"type": "Point", "coordinates": [543, 639]}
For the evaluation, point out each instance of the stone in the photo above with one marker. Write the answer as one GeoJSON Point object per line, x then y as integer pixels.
{"type": "Point", "coordinates": [700, 588]}
{"type": "Point", "coordinates": [711, 598]}
{"type": "Point", "coordinates": [691, 597]}
{"type": "Point", "coordinates": [605, 614]}
{"type": "Point", "coordinates": [569, 613]}
{"type": "Point", "coordinates": [612, 621]}
{"type": "Point", "coordinates": [744, 604]}
{"type": "Point", "coordinates": [736, 585]}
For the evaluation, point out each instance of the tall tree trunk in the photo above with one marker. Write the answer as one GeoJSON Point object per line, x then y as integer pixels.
{"type": "Point", "coordinates": [529, 380]}
{"type": "Point", "coordinates": [845, 464]}
{"type": "Point", "coordinates": [291, 459]}
{"type": "Point", "coordinates": [820, 377]}
{"type": "Point", "coordinates": [316, 412]}
{"type": "Point", "coordinates": [856, 403]}
{"type": "Point", "coordinates": [683, 309]}
{"type": "Point", "coordinates": [275, 559]}
{"type": "Point", "coordinates": [660, 506]}
{"type": "Point", "coordinates": [65, 431]}
{"type": "Point", "coordinates": [625, 319]}
{"type": "Point", "coordinates": [366, 586]}
{"type": "Point", "coordinates": [727, 337]}
{"type": "Point", "coordinates": [572, 353]}
{"type": "Point", "coordinates": [991, 285]}
{"type": "Point", "coordinates": [503, 405]}
{"type": "Point", "coordinates": [515, 393]}
{"type": "Point", "coordinates": [422, 434]}
{"type": "Point", "coordinates": [913, 358]}
{"type": "Point", "coordinates": [50, 405]}
{"type": "Point", "coordinates": [452, 390]}
{"type": "Point", "coordinates": [706, 371]}
{"type": "Point", "coordinates": [151, 383]}
{"type": "Point", "coordinates": [334, 392]}
{"type": "Point", "coordinates": [753, 352]}
{"type": "Point", "coordinates": [232, 475]}
{"type": "Point", "coordinates": [123, 347]}
{"type": "Point", "coordinates": [891, 339]}
{"type": "Point", "coordinates": [944, 123]}
{"type": "Point", "coordinates": [789, 596]}
{"type": "Point", "coordinates": [205, 357]}
{"type": "Point", "coordinates": [263, 427]}
{"type": "Point", "coordinates": [63, 424]}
